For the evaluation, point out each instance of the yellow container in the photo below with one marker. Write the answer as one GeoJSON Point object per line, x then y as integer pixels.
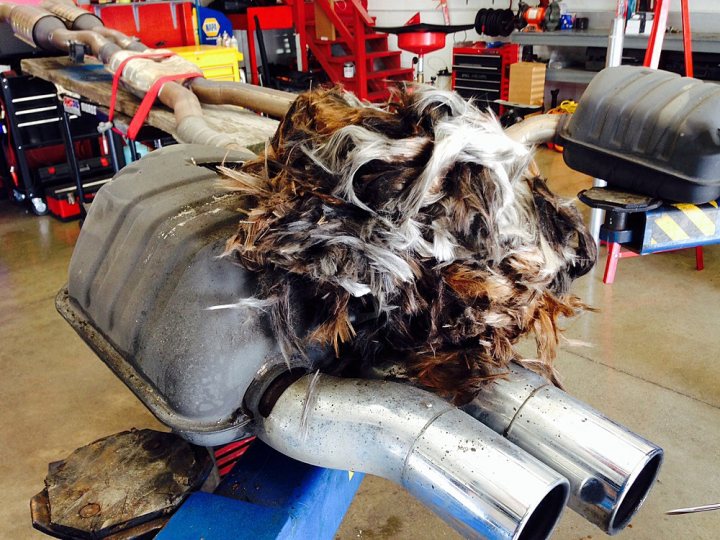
{"type": "Point", "coordinates": [216, 63]}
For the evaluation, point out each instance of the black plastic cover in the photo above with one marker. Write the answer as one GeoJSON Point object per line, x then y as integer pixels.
{"type": "Point", "coordinates": [649, 132]}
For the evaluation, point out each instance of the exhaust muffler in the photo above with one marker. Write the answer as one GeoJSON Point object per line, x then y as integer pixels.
{"type": "Point", "coordinates": [481, 484]}
{"type": "Point", "coordinates": [610, 469]}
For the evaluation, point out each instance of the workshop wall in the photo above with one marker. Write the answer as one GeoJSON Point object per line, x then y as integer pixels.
{"type": "Point", "coordinates": [705, 17]}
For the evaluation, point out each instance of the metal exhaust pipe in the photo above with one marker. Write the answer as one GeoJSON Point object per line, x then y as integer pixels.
{"type": "Point", "coordinates": [31, 24]}
{"type": "Point", "coordinates": [535, 130]}
{"type": "Point", "coordinates": [610, 469]}
{"type": "Point", "coordinates": [40, 28]}
{"type": "Point", "coordinates": [74, 17]}
{"type": "Point", "coordinates": [275, 103]}
{"type": "Point", "coordinates": [482, 485]}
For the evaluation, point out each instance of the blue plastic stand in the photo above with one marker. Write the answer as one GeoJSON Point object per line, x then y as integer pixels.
{"type": "Point", "coordinates": [267, 495]}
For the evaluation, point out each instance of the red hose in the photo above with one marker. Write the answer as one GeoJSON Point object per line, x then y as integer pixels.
{"type": "Point", "coordinates": [687, 38]}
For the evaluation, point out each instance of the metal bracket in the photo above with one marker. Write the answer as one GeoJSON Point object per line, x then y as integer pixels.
{"type": "Point", "coordinates": [173, 14]}
{"type": "Point", "coordinates": [136, 16]}
{"type": "Point", "coordinates": [77, 52]}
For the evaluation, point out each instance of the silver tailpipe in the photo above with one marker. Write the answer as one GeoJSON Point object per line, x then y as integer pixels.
{"type": "Point", "coordinates": [482, 485]}
{"type": "Point", "coordinates": [610, 469]}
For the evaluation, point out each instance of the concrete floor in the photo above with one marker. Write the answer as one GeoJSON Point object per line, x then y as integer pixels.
{"type": "Point", "coordinates": [651, 364]}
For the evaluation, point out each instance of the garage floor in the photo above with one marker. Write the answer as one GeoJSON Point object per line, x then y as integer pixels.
{"type": "Point", "coordinates": [652, 364]}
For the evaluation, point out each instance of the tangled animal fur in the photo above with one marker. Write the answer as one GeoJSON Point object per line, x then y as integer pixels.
{"type": "Point", "coordinates": [414, 234]}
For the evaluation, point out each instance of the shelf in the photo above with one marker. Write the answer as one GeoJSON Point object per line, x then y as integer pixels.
{"type": "Point", "coordinates": [702, 43]}
{"type": "Point", "coordinates": [570, 75]}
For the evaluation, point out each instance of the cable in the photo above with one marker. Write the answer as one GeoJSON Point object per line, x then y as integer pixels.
{"type": "Point", "coordinates": [567, 106]}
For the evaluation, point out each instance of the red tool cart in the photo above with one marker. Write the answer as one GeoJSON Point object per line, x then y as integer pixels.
{"type": "Point", "coordinates": [483, 73]}
{"type": "Point", "coordinates": [36, 145]}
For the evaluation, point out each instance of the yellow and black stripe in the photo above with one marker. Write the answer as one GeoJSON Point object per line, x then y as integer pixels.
{"type": "Point", "coordinates": [683, 224]}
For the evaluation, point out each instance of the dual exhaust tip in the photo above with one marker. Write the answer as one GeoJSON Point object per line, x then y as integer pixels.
{"type": "Point", "coordinates": [504, 467]}
{"type": "Point", "coordinates": [609, 468]}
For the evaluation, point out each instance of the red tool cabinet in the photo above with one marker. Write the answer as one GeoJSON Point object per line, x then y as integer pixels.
{"type": "Point", "coordinates": [483, 73]}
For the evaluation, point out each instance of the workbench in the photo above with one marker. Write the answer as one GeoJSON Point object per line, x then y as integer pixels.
{"type": "Point", "coordinates": [94, 83]}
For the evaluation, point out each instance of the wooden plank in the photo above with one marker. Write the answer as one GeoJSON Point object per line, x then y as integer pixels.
{"type": "Point", "coordinates": [94, 83]}
{"type": "Point", "coordinates": [324, 28]}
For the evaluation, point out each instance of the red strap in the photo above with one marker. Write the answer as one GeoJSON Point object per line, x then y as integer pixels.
{"type": "Point", "coordinates": [118, 74]}
{"type": "Point", "coordinates": [147, 101]}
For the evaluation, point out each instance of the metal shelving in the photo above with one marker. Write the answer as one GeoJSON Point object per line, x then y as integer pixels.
{"type": "Point", "coordinates": [708, 43]}
{"type": "Point", "coordinates": [702, 43]}
{"type": "Point", "coordinates": [570, 75]}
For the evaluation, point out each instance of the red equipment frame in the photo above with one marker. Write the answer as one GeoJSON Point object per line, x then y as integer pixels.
{"type": "Point", "coordinates": [270, 18]}
{"type": "Point", "coordinates": [158, 25]}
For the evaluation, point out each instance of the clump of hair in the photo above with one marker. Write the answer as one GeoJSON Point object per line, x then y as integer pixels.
{"type": "Point", "coordinates": [412, 234]}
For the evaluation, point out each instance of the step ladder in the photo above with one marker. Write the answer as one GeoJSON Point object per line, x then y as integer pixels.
{"type": "Point", "coordinates": [342, 33]}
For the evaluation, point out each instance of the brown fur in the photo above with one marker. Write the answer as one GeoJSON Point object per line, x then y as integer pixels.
{"type": "Point", "coordinates": [450, 324]}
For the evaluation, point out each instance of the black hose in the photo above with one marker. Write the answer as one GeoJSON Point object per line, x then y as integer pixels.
{"type": "Point", "coordinates": [495, 22]}
{"type": "Point", "coordinates": [263, 55]}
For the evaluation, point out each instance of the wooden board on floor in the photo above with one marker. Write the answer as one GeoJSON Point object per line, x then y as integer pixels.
{"type": "Point", "coordinates": [94, 83]}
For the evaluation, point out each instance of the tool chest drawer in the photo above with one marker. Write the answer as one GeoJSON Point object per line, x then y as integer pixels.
{"type": "Point", "coordinates": [471, 77]}
{"type": "Point", "coordinates": [478, 61]}
{"type": "Point", "coordinates": [481, 97]}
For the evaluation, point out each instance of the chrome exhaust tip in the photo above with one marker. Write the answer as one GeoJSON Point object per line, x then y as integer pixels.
{"type": "Point", "coordinates": [610, 469]}
{"type": "Point", "coordinates": [633, 494]}
{"type": "Point", "coordinates": [543, 519]}
{"type": "Point", "coordinates": [473, 478]}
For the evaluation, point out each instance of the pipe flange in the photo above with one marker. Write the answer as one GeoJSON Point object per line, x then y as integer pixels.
{"type": "Point", "coordinates": [270, 381]}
